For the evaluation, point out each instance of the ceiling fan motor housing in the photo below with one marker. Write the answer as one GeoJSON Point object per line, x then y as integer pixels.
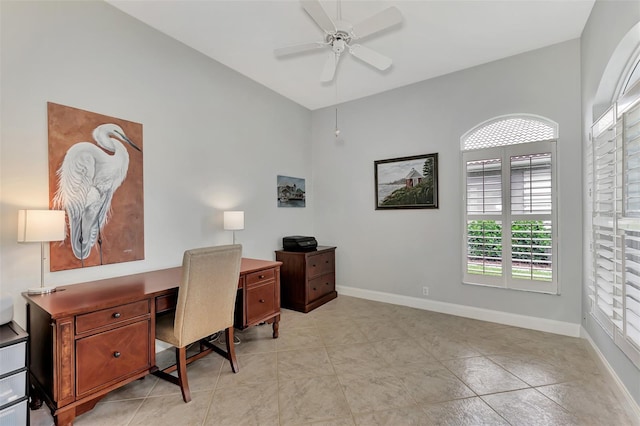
{"type": "Point", "coordinates": [338, 41]}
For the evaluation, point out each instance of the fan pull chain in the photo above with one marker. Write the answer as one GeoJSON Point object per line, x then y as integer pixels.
{"type": "Point", "coordinates": [337, 130]}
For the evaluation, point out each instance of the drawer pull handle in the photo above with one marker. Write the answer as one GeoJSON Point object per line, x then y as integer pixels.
{"type": "Point", "coordinates": [116, 354]}
{"type": "Point", "coordinates": [314, 289]}
{"type": "Point", "coordinates": [261, 276]}
{"type": "Point", "coordinates": [261, 301]}
{"type": "Point", "coordinates": [116, 315]}
{"type": "Point", "coordinates": [326, 261]}
{"type": "Point", "coordinates": [314, 265]}
{"type": "Point", "coordinates": [326, 283]}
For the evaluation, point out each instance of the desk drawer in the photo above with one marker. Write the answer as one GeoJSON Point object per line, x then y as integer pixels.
{"type": "Point", "coordinates": [320, 264]}
{"type": "Point", "coordinates": [261, 301]}
{"type": "Point", "coordinates": [255, 278]}
{"type": "Point", "coordinates": [320, 286]}
{"type": "Point", "coordinates": [112, 355]}
{"type": "Point", "coordinates": [105, 317]}
{"type": "Point", "coordinates": [166, 303]}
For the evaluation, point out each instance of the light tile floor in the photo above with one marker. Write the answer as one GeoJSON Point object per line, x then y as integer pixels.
{"type": "Point", "coordinates": [358, 362]}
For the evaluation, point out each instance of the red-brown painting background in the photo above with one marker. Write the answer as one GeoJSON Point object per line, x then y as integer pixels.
{"type": "Point", "coordinates": [123, 235]}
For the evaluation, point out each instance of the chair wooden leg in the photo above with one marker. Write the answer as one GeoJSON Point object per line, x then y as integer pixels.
{"type": "Point", "coordinates": [181, 360]}
{"type": "Point", "coordinates": [231, 349]}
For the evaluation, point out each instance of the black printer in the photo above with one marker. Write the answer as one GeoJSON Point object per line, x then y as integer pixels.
{"type": "Point", "coordinates": [299, 243]}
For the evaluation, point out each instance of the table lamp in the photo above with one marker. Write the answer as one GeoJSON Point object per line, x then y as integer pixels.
{"type": "Point", "coordinates": [41, 226]}
{"type": "Point", "coordinates": [234, 221]}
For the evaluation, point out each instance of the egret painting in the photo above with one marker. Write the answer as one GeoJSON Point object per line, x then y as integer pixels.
{"type": "Point", "coordinates": [95, 175]}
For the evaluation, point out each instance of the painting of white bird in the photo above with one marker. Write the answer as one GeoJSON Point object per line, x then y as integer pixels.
{"type": "Point", "coordinates": [88, 177]}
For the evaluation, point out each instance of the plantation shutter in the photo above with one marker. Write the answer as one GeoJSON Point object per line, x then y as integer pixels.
{"type": "Point", "coordinates": [484, 213]}
{"type": "Point", "coordinates": [531, 224]}
{"type": "Point", "coordinates": [484, 186]}
{"type": "Point", "coordinates": [615, 290]}
{"type": "Point", "coordinates": [607, 158]}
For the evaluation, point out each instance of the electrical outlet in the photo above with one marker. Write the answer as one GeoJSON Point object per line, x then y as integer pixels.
{"type": "Point", "coordinates": [425, 291]}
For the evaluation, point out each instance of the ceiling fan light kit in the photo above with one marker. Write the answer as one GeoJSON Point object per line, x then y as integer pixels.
{"type": "Point", "coordinates": [340, 35]}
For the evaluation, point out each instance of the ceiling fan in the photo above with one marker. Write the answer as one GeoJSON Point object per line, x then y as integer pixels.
{"type": "Point", "coordinates": [340, 35]}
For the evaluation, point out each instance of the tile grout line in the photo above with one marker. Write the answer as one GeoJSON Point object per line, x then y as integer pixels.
{"type": "Point", "coordinates": [213, 393]}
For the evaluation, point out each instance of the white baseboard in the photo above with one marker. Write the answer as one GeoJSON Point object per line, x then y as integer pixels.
{"type": "Point", "coordinates": [632, 402]}
{"type": "Point", "coordinates": [516, 320]}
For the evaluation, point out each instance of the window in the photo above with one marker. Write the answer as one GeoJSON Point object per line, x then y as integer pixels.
{"type": "Point", "coordinates": [614, 178]}
{"type": "Point", "coordinates": [634, 76]}
{"type": "Point", "coordinates": [509, 217]}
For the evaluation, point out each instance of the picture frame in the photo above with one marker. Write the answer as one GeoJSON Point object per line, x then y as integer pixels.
{"type": "Point", "coordinates": [407, 182]}
{"type": "Point", "coordinates": [291, 191]}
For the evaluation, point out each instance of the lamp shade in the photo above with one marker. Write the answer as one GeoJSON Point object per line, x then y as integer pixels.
{"type": "Point", "coordinates": [40, 225]}
{"type": "Point", "coordinates": [234, 220]}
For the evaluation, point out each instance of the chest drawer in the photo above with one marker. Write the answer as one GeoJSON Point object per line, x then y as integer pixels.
{"type": "Point", "coordinates": [112, 355]}
{"type": "Point", "coordinates": [13, 387]}
{"type": "Point", "coordinates": [106, 317]}
{"type": "Point", "coordinates": [320, 264]}
{"type": "Point", "coordinates": [261, 301]}
{"type": "Point", "coordinates": [12, 358]}
{"type": "Point", "coordinates": [320, 286]}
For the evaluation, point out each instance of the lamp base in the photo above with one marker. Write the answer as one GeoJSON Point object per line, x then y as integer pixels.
{"type": "Point", "coordinates": [41, 290]}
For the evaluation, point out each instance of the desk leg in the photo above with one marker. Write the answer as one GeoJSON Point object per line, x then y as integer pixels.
{"type": "Point", "coordinates": [64, 418]}
{"type": "Point", "coordinates": [276, 326]}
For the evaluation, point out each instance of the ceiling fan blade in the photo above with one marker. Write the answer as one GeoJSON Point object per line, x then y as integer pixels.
{"type": "Point", "coordinates": [378, 22]}
{"type": "Point", "coordinates": [329, 70]}
{"type": "Point", "coordinates": [298, 48]}
{"type": "Point", "coordinates": [370, 56]}
{"type": "Point", "coordinates": [318, 14]}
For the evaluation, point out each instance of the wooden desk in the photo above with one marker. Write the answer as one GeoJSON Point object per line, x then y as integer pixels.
{"type": "Point", "coordinates": [91, 338]}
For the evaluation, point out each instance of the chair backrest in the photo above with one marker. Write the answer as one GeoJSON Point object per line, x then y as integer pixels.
{"type": "Point", "coordinates": [207, 292]}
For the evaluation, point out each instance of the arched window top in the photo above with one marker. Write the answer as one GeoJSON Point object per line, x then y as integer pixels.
{"type": "Point", "coordinates": [509, 130]}
{"type": "Point", "coordinates": [633, 77]}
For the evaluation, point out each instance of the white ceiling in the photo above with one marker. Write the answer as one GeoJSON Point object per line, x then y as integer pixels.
{"type": "Point", "coordinates": [435, 38]}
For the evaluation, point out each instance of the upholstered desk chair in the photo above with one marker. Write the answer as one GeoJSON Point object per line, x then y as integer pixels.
{"type": "Point", "coordinates": [206, 303]}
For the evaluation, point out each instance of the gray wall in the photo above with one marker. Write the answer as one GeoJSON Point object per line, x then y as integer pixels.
{"type": "Point", "coordinates": [213, 139]}
{"type": "Point", "coordinates": [609, 39]}
{"type": "Point", "coordinates": [399, 251]}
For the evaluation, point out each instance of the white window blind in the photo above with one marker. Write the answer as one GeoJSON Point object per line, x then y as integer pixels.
{"type": "Point", "coordinates": [615, 178]}
{"type": "Point", "coordinates": [509, 215]}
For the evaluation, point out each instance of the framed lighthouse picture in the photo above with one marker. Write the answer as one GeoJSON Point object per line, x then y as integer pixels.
{"type": "Point", "coordinates": [95, 176]}
{"type": "Point", "coordinates": [407, 182]}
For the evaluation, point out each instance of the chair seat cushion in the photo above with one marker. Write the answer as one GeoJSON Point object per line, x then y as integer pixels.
{"type": "Point", "coordinates": [164, 328]}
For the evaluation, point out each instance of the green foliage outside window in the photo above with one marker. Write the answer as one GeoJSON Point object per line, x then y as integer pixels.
{"type": "Point", "coordinates": [530, 249]}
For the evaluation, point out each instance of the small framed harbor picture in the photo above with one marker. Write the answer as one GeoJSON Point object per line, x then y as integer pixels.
{"type": "Point", "coordinates": [407, 182]}
{"type": "Point", "coordinates": [291, 191]}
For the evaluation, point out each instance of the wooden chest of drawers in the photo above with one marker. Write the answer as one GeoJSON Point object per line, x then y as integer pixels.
{"type": "Point", "coordinates": [307, 279]}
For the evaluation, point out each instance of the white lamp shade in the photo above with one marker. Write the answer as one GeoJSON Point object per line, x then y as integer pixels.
{"type": "Point", "coordinates": [233, 220]}
{"type": "Point", "coordinates": [40, 225]}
